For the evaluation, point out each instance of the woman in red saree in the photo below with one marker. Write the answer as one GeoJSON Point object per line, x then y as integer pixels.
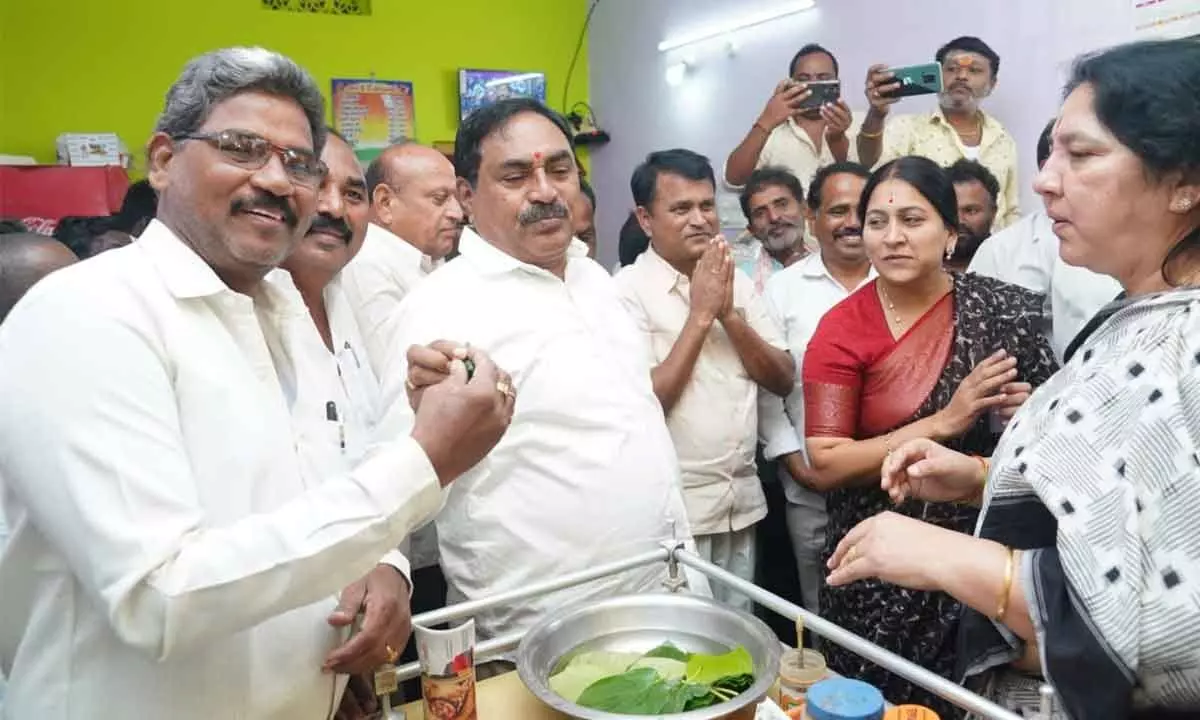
{"type": "Point", "coordinates": [919, 353]}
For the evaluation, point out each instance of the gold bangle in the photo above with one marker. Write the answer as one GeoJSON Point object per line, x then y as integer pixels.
{"type": "Point", "coordinates": [1002, 606]}
{"type": "Point", "coordinates": [870, 136]}
{"type": "Point", "coordinates": [987, 469]}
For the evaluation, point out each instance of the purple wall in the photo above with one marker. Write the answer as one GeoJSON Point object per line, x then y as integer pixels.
{"type": "Point", "coordinates": [714, 106]}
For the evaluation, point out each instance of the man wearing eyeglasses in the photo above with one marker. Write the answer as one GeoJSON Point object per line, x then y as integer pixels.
{"type": "Point", "coordinates": [175, 549]}
{"type": "Point", "coordinates": [958, 129]}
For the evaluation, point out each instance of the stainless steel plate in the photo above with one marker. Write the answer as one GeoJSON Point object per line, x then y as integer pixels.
{"type": "Point", "coordinates": [638, 623]}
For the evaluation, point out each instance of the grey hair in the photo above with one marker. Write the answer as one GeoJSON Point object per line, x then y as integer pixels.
{"type": "Point", "coordinates": [215, 76]}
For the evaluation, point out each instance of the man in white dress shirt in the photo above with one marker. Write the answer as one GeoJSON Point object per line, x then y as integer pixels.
{"type": "Point", "coordinates": [713, 344]}
{"type": "Point", "coordinates": [172, 551]}
{"type": "Point", "coordinates": [416, 220]}
{"type": "Point", "coordinates": [797, 298]}
{"type": "Point", "coordinates": [587, 473]}
{"type": "Point", "coordinates": [1026, 254]}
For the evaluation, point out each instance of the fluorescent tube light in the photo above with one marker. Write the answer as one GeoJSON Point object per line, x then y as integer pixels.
{"type": "Point", "coordinates": [784, 9]}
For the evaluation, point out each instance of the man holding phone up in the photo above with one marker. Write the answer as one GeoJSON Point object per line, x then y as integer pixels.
{"type": "Point", "coordinates": [958, 129]}
{"type": "Point", "coordinates": [804, 126]}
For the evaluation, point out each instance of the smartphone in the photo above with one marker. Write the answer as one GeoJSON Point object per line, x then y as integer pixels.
{"type": "Point", "coordinates": [916, 80]}
{"type": "Point", "coordinates": [823, 92]}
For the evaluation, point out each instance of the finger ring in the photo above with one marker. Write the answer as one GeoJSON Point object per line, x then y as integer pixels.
{"type": "Point", "coordinates": [408, 383]}
{"type": "Point", "coordinates": [852, 554]}
{"type": "Point", "coordinates": [505, 389]}
{"type": "Point", "coordinates": [392, 655]}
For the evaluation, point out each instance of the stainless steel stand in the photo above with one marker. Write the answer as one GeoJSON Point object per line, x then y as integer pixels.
{"type": "Point", "coordinates": [674, 554]}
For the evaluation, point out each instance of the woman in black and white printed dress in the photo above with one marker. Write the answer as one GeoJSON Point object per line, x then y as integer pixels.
{"type": "Point", "coordinates": [1085, 568]}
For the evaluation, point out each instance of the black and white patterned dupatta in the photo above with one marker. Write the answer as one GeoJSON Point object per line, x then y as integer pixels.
{"type": "Point", "coordinates": [1098, 480]}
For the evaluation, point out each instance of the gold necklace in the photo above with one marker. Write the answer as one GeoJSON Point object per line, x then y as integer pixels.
{"type": "Point", "coordinates": [892, 307]}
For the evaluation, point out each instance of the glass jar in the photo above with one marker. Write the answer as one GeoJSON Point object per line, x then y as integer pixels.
{"type": "Point", "coordinates": [797, 673]}
{"type": "Point", "coordinates": [910, 712]}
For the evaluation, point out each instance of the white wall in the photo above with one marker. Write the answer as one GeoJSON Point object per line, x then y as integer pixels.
{"type": "Point", "coordinates": [716, 104]}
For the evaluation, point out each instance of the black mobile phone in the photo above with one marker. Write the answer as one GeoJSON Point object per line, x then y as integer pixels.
{"type": "Point", "coordinates": [823, 92]}
{"type": "Point", "coordinates": [916, 80]}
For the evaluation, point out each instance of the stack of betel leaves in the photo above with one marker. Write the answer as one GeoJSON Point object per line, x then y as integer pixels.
{"type": "Point", "coordinates": [662, 681]}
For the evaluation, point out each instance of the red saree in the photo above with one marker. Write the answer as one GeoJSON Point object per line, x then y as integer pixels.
{"type": "Point", "coordinates": [861, 383]}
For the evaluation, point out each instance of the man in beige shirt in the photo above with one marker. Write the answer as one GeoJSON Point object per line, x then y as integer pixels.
{"type": "Point", "coordinates": [799, 139]}
{"type": "Point", "coordinates": [415, 222]}
{"type": "Point", "coordinates": [713, 344]}
{"type": "Point", "coordinates": [957, 129]}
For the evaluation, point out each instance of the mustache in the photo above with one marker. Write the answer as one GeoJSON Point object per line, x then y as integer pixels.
{"type": "Point", "coordinates": [323, 222]}
{"type": "Point", "coordinates": [266, 201]}
{"type": "Point", "coordinates": [842, 232]}
{"type": "Point", "coordinates": [543, 211]}
{"type": "Point", "coordinates": [781, 225]}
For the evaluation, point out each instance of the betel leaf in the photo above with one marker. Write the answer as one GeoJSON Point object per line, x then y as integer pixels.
{"type": "Point", "coordinates": [709, 669]}
{"type": "Point", "coordinates": [668, 651]}
{"type": "Point", "coordinates": [688, 696]}
{"type": "Point", "coordinates": [734, 683]}
{"type": "Point", "coordinates": [630, 692]}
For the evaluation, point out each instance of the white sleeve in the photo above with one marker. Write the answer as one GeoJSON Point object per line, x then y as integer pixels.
{"type": "Point", "coordinates": [96, 455]}
{"type": "Point", "coordinates": [775, 429]}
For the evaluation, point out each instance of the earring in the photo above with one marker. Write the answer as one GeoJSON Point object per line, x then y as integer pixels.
{"type": "Point", "coordinates": [949, 253]}
{"type": "Point", "coordinates": [1183, 204]}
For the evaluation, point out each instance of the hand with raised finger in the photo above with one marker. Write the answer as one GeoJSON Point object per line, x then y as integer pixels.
{"type": "Point", "coordinates": [978, 393]}
{"type": "Point", "coordinates": [881, 81]}
{"type": "Point", "coordinates": [783, 103]}
{"type": "Point", "coordinates": [923, 470]}
{"type": "Point", "coordinates": [894, 548]}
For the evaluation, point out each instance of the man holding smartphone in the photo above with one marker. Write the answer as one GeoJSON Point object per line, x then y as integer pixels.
{"type": "Point", "coordinates": [805, 125]}
{"type": "Point", "coordinates": [958, 129]}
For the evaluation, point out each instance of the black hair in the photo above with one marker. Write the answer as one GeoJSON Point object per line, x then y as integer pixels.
{"type": "Point", "coordinates": [138, 208]}
{"type": "Point", "coordinates": [490, 119]}
{"type": "Point", "coordinates": [1147, 94]}
{"type": "Point", "coordinates": [770, 176]}
{"type": "Point", "coordinates": [965, 171]}
{"type": "Point", "coordinates": [817, 187]}
{"type": "Point", "coordinates": [588, 192]}
{"type": "Point", "coordinates": [926, 177]}
{"type": "Point", "coordinates": [12, 227]}
{"type": "Point", "coordinates": [1045, 143]}
{"type": "Point", "coordinates": [684, 163]}
{"type": "Point", "coordinates": [811, 49]}
{"type": "Point", "coordinates": [971, 44]}
{"type": "Point", "coordinates": [78, 232]}
{"type": "Point", "coordinates": [632, 242]}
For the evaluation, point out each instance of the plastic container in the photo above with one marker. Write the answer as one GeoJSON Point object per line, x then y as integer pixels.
{"type": "Point", "coordinates": [795, 678]}
{"type": "Point", "coordinates": [843, 699]}
{"type": "Point", "coordinates": [910, 712]}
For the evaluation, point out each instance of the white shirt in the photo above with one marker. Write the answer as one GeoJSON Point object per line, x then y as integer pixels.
{"type": "Point", "coordinates": [170, 553]}
{"type": "Point", "coordinates": [791, 147]}
{"type": "Point", "coordinates": [385, 269]}
{"type": "Point", "coordinates": [586, 473]}
{"type": "Point", "coordinates": [1026, 254]}
{"type": "Point", "coordinates": [797, 298]}
{"type": "Point", "coordinates": [714, 424]}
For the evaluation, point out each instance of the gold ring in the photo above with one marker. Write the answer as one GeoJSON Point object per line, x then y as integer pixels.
{"type": "Point", "coordinates": [505, 389]}
{"type": "Point", "coordinates": [851, 554]}
{"type": "Point", "coordinates": [408, 383]}
{"type": "Point", "coordinates": [391, 654]}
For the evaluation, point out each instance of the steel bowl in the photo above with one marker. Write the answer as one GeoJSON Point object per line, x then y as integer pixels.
{"type": "Point", "coordinates": [639, 623]}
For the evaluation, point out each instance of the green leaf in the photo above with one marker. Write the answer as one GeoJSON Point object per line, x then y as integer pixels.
{"type": "Point", "coordinates": [633, 692]}
{"type": "Point", "coordinates": [668, 651]}
{"type": "Point", "coordinates": [688, 696]}
{"type": "Point", "coordinates": [669, 670]}
{"type": "Point", "coordinates": [735, 683]}
{"type": "Point", "coordinates": [709, 669]}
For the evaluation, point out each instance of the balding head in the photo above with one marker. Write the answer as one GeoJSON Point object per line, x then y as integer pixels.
{"type": "Point", "coordinates": [26, 258]}
{"type": "Point", "coordinates": [414, 195]}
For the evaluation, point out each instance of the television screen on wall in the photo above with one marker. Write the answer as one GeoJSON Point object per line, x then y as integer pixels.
{"type": "Point", "coordinates": [477, 88]}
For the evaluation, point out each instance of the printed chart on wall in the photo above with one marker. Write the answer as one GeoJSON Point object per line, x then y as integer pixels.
{"type": "Point", "coordinates": [1165, 19]}
{"type": "Point", "coordinates": [372, 114]}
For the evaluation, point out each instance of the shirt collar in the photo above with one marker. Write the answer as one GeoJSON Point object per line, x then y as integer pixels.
{"type": "Point", "coordinates": [659, 272]}
{"type": "Point", "coordinates": [813, 267]}
{"type": "Point", "coordinates": [491, 260]}
{"type": "Point", "coordinates": [185, 273]}
{"type": "Point", "coordinates": [400, 249]}
{"type": "Point", "coordinates": [991, 126]}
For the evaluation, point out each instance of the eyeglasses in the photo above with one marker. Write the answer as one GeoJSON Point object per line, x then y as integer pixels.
{"type": "Point", "coordinates": [252, 152]}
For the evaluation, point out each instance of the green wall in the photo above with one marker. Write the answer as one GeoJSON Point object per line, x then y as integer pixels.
{"type": "Point", "coordinates": [104, 66]}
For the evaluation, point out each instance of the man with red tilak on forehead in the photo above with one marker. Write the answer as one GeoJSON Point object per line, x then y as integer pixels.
{"type": "Point", "coordinates": [958, 129]}
{"type": "Point", "coordinates": [588, 474]}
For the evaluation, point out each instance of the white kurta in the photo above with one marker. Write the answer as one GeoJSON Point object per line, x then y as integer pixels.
{"type": "Point", "coordinates": [586, 473]}
{"type": "Point", "coordinates": [171, 554]}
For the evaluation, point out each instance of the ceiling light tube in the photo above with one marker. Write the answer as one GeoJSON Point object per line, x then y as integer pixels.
{"type": "Point", "coordinates": [785, 9]}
